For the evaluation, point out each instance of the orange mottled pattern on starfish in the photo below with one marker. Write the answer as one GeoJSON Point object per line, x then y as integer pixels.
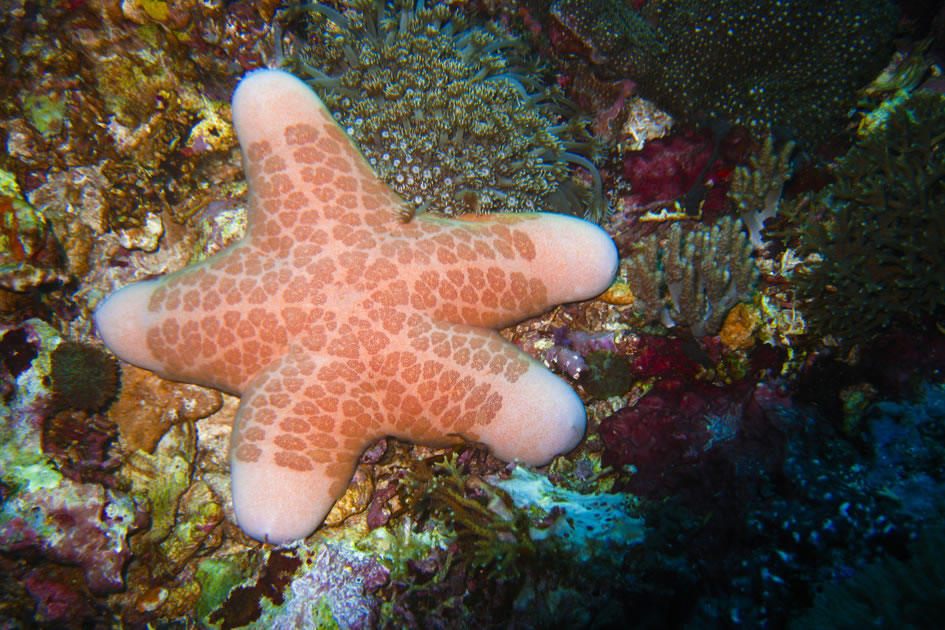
{"type": "Point", "coordinates": [338, 323]}
{"type": "Point", "coordinates": [318, 415]}
{"type": "Point", "coordinates": [270, 289]}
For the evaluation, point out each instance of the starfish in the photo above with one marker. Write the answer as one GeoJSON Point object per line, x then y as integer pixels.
{"type": "Point", "coordinates": [338, 323]}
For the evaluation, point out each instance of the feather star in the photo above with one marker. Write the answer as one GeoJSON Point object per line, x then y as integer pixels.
{"type": "Point", "coordinates": [336, 323]}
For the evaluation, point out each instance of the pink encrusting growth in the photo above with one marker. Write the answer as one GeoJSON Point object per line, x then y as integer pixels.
{"type": "Point", "coordinates": [337, 324]}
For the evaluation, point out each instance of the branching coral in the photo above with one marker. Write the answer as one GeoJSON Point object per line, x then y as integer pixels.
{"type": "Point", "coordinates": [452, 116]}
{"type": "Point", "coordinates": [876, 234]}
{"type": "Point", "coordinates": [705, 271]}
{"type": "Point", "coordinates": [756, 187]}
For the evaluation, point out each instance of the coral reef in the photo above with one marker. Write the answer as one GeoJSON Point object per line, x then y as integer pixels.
{"type": "Point", "coordinates": [60, 518]}
{"type": "Point", "coordinates": [29, 250]}
{"type": "Point", "coordinates": [705, 272]}
{"type": "Point", "coordinates": [502, 537]}
{"type": "Point", "coordinates": [905, 588]}
{"type": "Point", "coordinates": [326, 585]}
{"type": "Point", "coordinates": [82, 376]}
{"type": "Point", "coordinates": [760, 477]}
{"type": "Point", "coordinates": [453, 116]}
{"type": "Point", "coordinates": [794, 64]}
{"type": "Point", "coordinates": [671, 437]}
{"type": "Point", "coordinates": [685, 175]}
{"type": "Point", "coordinates": [138, 115]}
{"type": "Point", "coordinates": [588, 527]}
{"type": "Point", "coordinates": [874, 234]}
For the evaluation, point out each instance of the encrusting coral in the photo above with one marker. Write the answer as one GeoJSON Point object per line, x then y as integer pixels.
{"type": "Point", "coordinates": [792, 64]}
{"type": "Point", "coordinates": [337, 323]}
{"type": "Point", "coordinates": [456, 118]}
{"type": "Point", "coordinates": [82, 376]}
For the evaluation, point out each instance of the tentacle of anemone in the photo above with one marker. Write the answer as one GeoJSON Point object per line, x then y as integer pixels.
{"type": "Point", "coordinates": [328, 82]}
{"type": "Point", "coordinates": [317, 75]}
{"type": "Point", "coordinates": [350, 55]}
{"type": "Point", "coordinates": [450, 28]}
{"type": "Point", "coordinates": [481, 75]}
{"type": "Point", "coordinates": [372, 26]}
{"type": "Point", "coordinates": [526, 75]}
{"type": "Point", "coordinates": [598, 207]}
{"type": "Point", "coordinates": [462, 45]}
{"type": "Point", "coordinates": [502, 43]}
{"type": "Point", "coordinates": [564, 198]}
{"type": "Point", "coordinates": [326, 11]}
{"type": "Point", "coordinates": [406, 16]}
{"type": "Point", "coordinates": [513, 81]}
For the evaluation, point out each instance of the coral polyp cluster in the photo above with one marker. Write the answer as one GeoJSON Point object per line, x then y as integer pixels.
{"type": "Point", "coordinates": [791, 64]}
{"type": "Point", "coordinates": [453, 116]}
{"type": "Point", "coordinates": [876, 233]}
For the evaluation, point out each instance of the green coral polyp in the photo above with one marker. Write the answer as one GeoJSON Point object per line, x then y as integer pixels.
{"type": "Point", "coordinates": [453, 117]}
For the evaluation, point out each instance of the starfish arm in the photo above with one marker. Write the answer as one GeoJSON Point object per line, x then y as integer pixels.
{"type": "Point", "coordinates": [288, 467]}
{"type": "Point", "coordinates": [441, 379]}
{"type": "Point", "coordinates": [122, 321]}
{"type": "Point", "coordinates": [304, 421]}
{"type": "Point", "coordinates": [195, 325]}
{"type": "Point", "coordinates": [297, 157]}
{"type": "Point", "coordinates": [496, 270]}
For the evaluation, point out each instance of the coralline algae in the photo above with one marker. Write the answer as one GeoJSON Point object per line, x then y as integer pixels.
{"type": "Point", "coordinates": [64, 520]}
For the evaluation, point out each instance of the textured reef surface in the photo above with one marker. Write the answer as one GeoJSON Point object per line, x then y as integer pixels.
{"type": "Point", "coordinates": [764, 381]}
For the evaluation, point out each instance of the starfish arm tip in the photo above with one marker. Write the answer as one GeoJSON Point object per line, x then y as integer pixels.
{"type": "Point", "coordinates": [578, 258]}
{"type": "Point", "coordinates": [542, 417]}
{"type": "Point", "coordinates": [122, 321]}
{"type": "Point", "coordinates": [276, 506]}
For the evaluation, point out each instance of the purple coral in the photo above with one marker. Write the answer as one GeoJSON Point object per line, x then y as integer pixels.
{"type": "Point", "coordinates": [344, 580]}
{"type": "Point", "coordinates": [685, 436]}
{"type": "Point", "coordinates": [572, 346]}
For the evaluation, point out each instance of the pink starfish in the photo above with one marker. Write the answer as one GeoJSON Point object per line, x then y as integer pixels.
{"type": "Point", "coordinates": [337, 323]}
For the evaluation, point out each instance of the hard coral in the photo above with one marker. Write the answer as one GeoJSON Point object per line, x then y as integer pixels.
{"type": "Point", "coordinates": [453, 117]}
{"type": "Point", "coordinates": [878, 230]}
{"type": "Point", "coordinates": [793, 64]}
{"type": "Point", "coordinates": [83, 376]}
